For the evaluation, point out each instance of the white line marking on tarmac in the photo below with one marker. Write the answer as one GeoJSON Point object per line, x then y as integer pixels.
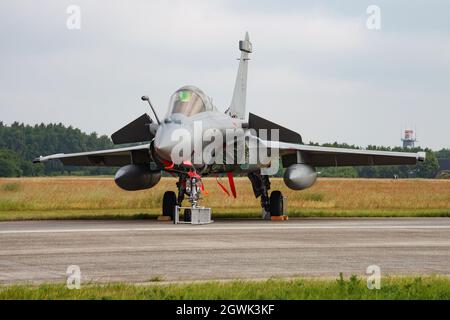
{"type": "Point", "coordinates": [199, 228]}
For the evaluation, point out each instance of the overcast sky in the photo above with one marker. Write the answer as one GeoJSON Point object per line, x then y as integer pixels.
{"type": "Point", "coordinates": [315, 68]}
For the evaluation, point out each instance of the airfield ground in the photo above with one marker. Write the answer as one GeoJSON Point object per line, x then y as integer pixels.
{"type": "Point", "coordinates": [139, 251]}
{"type": "Point", "coordinates": [302, 257]}
{"type": "Point", "coordinates": [313, 252]}
{"type": "Point", "coordinates": [100, 198]}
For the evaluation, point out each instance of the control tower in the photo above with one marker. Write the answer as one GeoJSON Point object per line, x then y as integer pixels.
{"type": "Point", "coordinates": [409, 139]}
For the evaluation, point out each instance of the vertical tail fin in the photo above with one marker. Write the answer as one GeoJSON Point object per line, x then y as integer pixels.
{"type": "Point", "coordinates": [237, 107]}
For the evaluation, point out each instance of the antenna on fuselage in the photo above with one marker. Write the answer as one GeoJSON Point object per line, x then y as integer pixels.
{"type": "Point", "coordinates": [237, 106]}
{"type": "Point", "coordinates": [146, 98]}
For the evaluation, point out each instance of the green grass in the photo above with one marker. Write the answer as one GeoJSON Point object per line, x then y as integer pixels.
{"type": "Point", "coordinates": [392, 288]}
{"type": "Point", "coordinates": [156, 279]}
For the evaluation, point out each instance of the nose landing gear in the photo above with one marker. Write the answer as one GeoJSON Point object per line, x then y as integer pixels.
{"type": "Point", "coordinates": [189, 184]}
{"type": "Point", "coordinates": [194, 188]}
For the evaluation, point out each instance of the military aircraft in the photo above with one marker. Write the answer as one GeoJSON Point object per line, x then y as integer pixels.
{"type": "Point", "coordinates": [141, 165]}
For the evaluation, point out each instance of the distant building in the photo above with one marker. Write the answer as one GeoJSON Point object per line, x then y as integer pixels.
{"type": "Point", "coordinates": [409, 139]}
{"type": "Point", "coordinates": [444, 169]}
{"type": "Point", "coordinates": [444, 164]}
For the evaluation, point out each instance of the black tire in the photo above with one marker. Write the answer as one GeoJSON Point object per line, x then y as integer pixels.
{"type": "Point", "coordinates": [187, 215]}
{"type": "Point", "coordinates": [276, 203]}
{"type": "Point", "coordinates": [169, 203]}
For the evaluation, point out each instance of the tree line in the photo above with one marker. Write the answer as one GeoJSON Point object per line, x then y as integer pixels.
{"type": "Point", "coordinates": [20, 144]}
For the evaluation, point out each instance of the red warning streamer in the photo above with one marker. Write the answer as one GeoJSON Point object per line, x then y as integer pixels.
{"type": "Point", "coordinates": [232, 185]}
{"type": "Point", "coordinates": [169, 165]}
{"type": "Point", "coordinates": [224, 189]}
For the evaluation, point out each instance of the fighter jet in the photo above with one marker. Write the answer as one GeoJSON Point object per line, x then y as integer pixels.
{"type": "Point", "coordinates": [166, 146]}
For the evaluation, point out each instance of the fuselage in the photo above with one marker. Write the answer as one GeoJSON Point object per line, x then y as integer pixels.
{"type": "Point", "coordinates": [205, 138]}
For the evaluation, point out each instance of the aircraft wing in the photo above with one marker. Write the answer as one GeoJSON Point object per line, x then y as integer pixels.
{"type": "Point", "coordinates": [104, 158]}
{"type": "Point", "coordinates": [290, 143]}
{"type": "Point", "coordinates": [331, 157]}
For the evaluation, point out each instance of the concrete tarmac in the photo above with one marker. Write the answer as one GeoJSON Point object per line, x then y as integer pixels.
{"type": "Point", "coordinates": [141, 251]}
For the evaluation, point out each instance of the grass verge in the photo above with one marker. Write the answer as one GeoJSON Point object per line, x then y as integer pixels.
{"type": "Point", "coordinates": [392, 288]}
{"type": "Point", "coordinates": [100, 198]}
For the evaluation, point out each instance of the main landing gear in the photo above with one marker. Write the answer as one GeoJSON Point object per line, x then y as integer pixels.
{"type": "Point", "coordinates": [272, 206]}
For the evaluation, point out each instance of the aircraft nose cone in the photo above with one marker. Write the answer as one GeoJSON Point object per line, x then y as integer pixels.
{"type": "Point", "coordinates": [169, 143]}
{"type": "Point", "coordinates": [164, 147]}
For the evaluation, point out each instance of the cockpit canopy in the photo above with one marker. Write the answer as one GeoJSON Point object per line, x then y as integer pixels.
{"type": "Point", "coordinates": [189, 101]}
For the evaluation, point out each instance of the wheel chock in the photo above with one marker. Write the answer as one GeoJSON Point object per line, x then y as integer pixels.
{"type": "Point", "coordinates": [164, 218]}
{"type": "Point", "coordinates": [279, 218]}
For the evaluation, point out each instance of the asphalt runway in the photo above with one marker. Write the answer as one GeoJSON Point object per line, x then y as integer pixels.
{"type": "Point", "coordinates": [139, 251]}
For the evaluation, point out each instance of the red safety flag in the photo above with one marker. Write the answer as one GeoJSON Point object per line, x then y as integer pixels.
{"type": "Point", "coordinates": [224, 189]}
{"type": "Point", "coordinates": [232, 185]}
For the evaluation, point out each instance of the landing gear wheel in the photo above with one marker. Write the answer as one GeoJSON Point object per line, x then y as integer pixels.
{"type": "Point", "coordinates": [187, 215]}
{"type": "Point", "coordinates": [276, 203]}
{"type": "Point", "coordinates": [169, 203]}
